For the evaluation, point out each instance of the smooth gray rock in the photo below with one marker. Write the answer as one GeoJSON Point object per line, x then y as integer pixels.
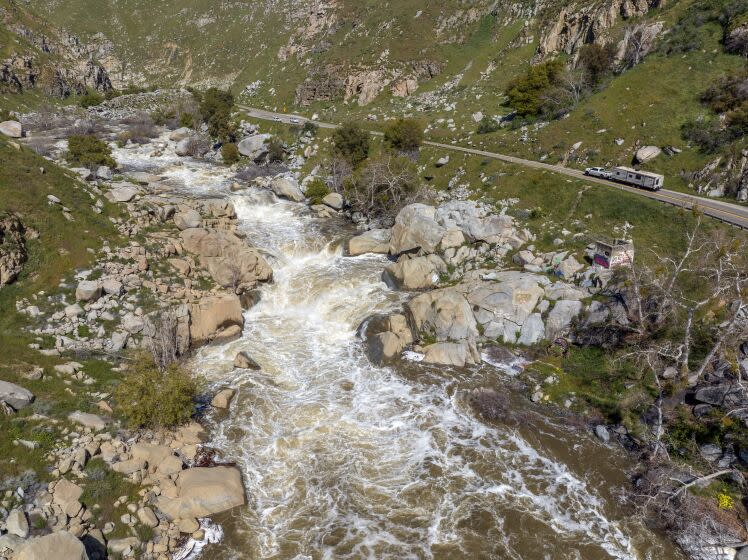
{"type": "Point", "coordinates": [254, 147]}
{"type": "Point", "coordinates": [12, 129]}
{"type": "Point", "coordinates": [187, 220]}
{"type": "Point", "coordinates": [286, 187]}
{"type": "Point", "coordinates": [334, 201]}
{"type": "Point", "coordinates": [15, 395]}
{"type": "Point", "coordinates": [88, 290]}
{"type": "Point", "coordinates": [88, 420]}
{"type": "Point", "coordinates": [17, 524]}
{"type": "Point", "coordinates": [560, 317]}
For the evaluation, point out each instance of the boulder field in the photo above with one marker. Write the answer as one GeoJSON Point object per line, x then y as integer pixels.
{"type": "Point", "coordinates": [479, 280]}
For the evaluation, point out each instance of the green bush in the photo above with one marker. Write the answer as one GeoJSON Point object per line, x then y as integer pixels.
{"type": "Point", "coordinates": [215, 106]}
{"type": "Point", "coordinates": [90, 99]}
{"type": "Point", "coordinates": [276, 150]}
{"type": "Point", "coordinates": [352, 143]}
{"type": "Point", "coordinates": [187, 119]}
{"type": "Point", "coordinates": [309, 128]}
{"type": "Point", "coordinates": [149, 398]}
{"type": "Point", "coordinates": [525, 93]}
{"type": "Point", "coordinates": [161, 116]}
{"type": "Point", "coordinates": [404, 135]}
{"type": "Point", "coordinates": [89, 151]}
{"type": "Point", "coordinates": [317, 190]}
{"type": "Point", "coordinates": [487, 125]}
{"type": "Point", "coordinates": [230, 153]}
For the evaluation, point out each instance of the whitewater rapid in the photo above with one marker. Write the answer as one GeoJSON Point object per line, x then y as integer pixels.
{"type": "Point", "coordinates": [345, 460]}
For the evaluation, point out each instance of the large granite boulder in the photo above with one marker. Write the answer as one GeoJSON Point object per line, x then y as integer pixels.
{"type": "Point", "coordinates": [204, 491]}
{"type": "Point", "coordinates": [212, 316]}
{"type": "Point", "coordinates": [229, 260]}
{"type": "Point", "coordinates": [254, 147]}
{"type": "Point", "coordinates": [418, 273]}
{"type": "Point", "coordinates": [372, 241]}
{"type": "Point", "coordinates": [561, 316]}
{"type": "Point", "coordinates": [647, 153]}
{"type": "Point", "coordinates": [502, 306]}
{"type": "Point", "coordinates": [15, 395]}
{"type": "Point", "coordinates": [187, 219]}
{"type": "Point", "coordinates": [416, 229]}
{"type": "Point", "coordinates": [443, 314]}
{"type": "Point", "coordinates": [476, 221]}
{"type": "Point", "coordinates": [56, 546]}
{"type": "Point", "coordinates": [287, 187]}
{"type": "Point", "coordinates": [459, 354]}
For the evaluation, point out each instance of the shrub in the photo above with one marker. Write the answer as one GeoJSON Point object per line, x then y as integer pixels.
{"type": "Point", "coordinates": [487, 125]}
{"type": "Point", "coordinates": [383, 186]}
{"type": "Point", "coordinates": [215, 108]}
{"type": "Point", "coordinates": [276, 151]}
{"type": "Point", "coordinates": [187, 119]}
{"type": "Point", "coordinates": [352, 143]}
{"type": "Point", "coordinates": [161, 116]}
{"type": "Point", "coordinates": [316, 190]}
{"type": "Point", "coordinates": [149, 398]}
{"type": "Point", "coordinates": [230, 153]}
{"type": "Point", "coordinates": [404, 135]}
{"type": "Point", "coordinates": [89, 151]}
{"type": "Point", "coordinates": [524, 93]}
{"type": "Point", "coordinates": [90, 99]}
{"type": "Point", "coordinates": [309, 128]}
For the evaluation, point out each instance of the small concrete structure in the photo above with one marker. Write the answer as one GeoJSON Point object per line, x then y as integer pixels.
{"type": "Point", "coordinates": [613, 253]}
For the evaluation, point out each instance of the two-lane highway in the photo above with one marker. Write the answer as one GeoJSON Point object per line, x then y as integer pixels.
{"type": "Point", "coordinates": [725, 211]}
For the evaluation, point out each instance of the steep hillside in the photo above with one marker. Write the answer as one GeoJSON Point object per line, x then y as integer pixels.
{"type": "Point", "coordinates": [37, 56]}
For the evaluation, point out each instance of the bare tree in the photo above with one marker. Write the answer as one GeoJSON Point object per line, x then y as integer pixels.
{"type": "Point", "coordinates": [162, 339]}
{"type": "Point", "coordinates": [709, 271]}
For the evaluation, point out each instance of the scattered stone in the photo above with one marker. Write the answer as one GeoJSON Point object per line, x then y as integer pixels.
{"type": "Point", "coordinates": [58, 546]}
{"type": "Point", "coordinates": [223, 398]}
{"type": "Point", "coordinates": [17, 524]}
{"type": "Point", "coordinates": [88, 420]}
{"type": "Point", "coordinates": [88, 290]}
{"type": "Point", "coordinates": [334, 201]}
{"type": "Point", "coordinates": [244, 361]}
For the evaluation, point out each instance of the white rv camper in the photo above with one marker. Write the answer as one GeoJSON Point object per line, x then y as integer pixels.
{"type": "Point", "coordinates": [645, 179]}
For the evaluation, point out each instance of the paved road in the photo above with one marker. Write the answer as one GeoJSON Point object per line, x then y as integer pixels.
{"type": "Point", "coordinates": [724, 211]}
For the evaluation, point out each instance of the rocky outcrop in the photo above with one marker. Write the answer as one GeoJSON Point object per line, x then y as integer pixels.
{"type": "Point", "coordinates": [724, 176]}
{"type": "Point", "coordinates": [204, 491]}
{"type": "Point", "coordinates": [416, 273]}
{"type": "Point", "coordinates": [12, 248]}
{"type": "Point", "coordinates": [60, 546]}
{"type": "Point", "coordinates": [579, 24]}
{"type": "Point", "coordinates": [229, 260]}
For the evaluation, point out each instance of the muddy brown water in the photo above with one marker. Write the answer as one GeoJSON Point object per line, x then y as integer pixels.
{"type": "Point", "coordinates": [345, 460]}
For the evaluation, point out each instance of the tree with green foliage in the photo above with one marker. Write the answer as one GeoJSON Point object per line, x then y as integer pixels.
{"type": "Point", "coordinates": [149, 398]}
{"type": "Point", "coordinates": [215, 106]}
{"type": "Point", "coordinates": [404, 135]}
{"type": "Point", "coordinates": [90, 99]}
{"type": "Point", "coordinates": [309, 128]}
{"type": "Point", "coordinates": [352, 143]}
{"type": "Point", "coordinates": [525, 93]}
{"type": "Point", "coordinates": [597, 61]}
{"type": "Point", "coordinates": [230, 153]}
{"type": "Point", "coordinates": [316, 190]}
{"type": "Point", "coordinates": [89, 151]}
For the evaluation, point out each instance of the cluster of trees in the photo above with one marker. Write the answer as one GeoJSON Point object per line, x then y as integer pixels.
{"type": "Point", "coordinates": [552, 88]}
{"type": "Point", "coordinates": [728, 97]}
{"type": "Point", "coordinates": [379, 185]}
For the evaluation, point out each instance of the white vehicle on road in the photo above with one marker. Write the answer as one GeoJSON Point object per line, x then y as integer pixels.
{"type": "Point", "coordinates": [277, 119]}
{"type": "Point", "coordinates": [600, 172]}
{"type": "Point", "coordinates": [294, 121]}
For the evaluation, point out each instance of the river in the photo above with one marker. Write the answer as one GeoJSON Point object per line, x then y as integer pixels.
{"type": "Point", "coordinates": [345, 460]}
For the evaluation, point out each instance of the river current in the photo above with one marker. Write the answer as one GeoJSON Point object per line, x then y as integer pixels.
{"type": "Point", "coordinates": [345, 460]}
